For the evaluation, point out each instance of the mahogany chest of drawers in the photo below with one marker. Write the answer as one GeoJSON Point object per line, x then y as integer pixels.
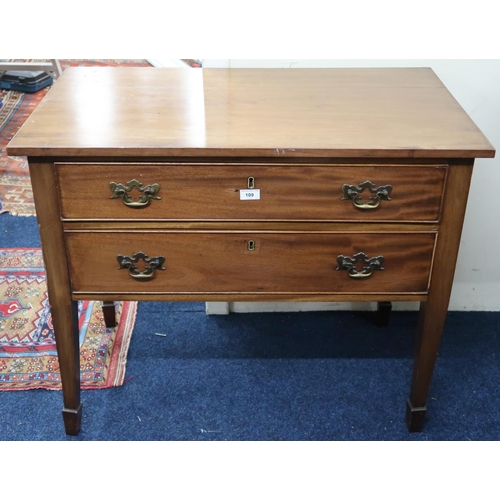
{"type": "Point", "coordinates": [250, 185]}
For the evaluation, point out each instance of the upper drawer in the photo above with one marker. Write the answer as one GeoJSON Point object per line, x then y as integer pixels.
{"type": "Point", "coordinates": [172, 191]}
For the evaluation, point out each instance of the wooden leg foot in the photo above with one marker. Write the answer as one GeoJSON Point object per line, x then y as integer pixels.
{"type": "Point", "coordinates": [72, 420]}
{"type": "Point", "coordinates": [415, 417]}
{"type": "Point", "coordinates": [108, 310]}
{"type": "Point", "coordinates": [383, 313]}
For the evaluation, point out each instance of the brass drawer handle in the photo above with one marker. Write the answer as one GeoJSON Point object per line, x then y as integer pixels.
{"type": "Point", "coordinates": [354, 193]}
{"type": "Point", "coordinates": [129, 263]}
{"type": "Point", "coordinates": [349, 264]}
{"type": "Point", "coordinates": [148, 193]}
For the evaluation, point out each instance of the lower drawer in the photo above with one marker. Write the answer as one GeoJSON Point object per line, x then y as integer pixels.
{"type": "Point", "coordinates": [250, 262]}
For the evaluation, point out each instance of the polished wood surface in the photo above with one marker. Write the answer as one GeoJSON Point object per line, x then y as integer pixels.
{"type": "Point", "coordinates": [109, 313]}
{"type": "Point", "coordinates": [148, 112]}
{"type": "Point", "coordinates": [433, 313]}
{"type": "Point", "coordinates": [252, 297]}
{"type": "Point", "coordinates": [221, 262]}
{"type": "Point", "coordinates": [301, 134]}
{"type": "Point", "coordinates": [287, 192]}
{"type": "Point", "coordinates": [242, 226]}
{"type": "Point", "coordinates": [63, 309]}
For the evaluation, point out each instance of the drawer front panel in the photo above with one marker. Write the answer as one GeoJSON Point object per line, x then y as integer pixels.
{"type": "Point", "coordinates": [213, 192]}
{"type": "Point", "coordinates": [253, 262]}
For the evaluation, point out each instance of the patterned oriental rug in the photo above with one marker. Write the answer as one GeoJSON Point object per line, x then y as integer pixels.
{"type": "Point", "coordinates": [16, 195]}
{"type": "Point", "coordinates": [28, 356]}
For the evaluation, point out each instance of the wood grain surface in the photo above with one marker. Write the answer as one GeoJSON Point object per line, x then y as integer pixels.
{"type": "Point", "coordinates": [221, 262]}
{"type": "Point", "coordinates": [287, 192]}
{"type": "Point", "coordinates": [360, 112]}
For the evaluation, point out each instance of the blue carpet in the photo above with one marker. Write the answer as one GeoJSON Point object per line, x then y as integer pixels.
{"type": "Point", "coordinates": [287, 376]}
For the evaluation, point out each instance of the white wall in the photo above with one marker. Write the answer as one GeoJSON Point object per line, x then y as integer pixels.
{"type": "Point", "coordinates": [475, 83]}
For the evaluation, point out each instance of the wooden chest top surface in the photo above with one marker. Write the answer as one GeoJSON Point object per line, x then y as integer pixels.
{"type": "Point", "coordinates": [166, 112]}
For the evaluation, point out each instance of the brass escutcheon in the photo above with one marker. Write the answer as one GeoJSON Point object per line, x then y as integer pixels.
{"type": "Point", "coordinates": [354, 193]}
{"type": "Point", "coordinates": [129, 263]}
{"type": "Point", "coordinates": [349, 264]}
{"type": "Point", "coordinates": [148, 193]}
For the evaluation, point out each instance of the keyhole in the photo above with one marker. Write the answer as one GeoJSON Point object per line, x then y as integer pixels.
{"type": "Point", "coordinates": [251, 183]}
{"type": "Point", "coordinates": [251, 245]}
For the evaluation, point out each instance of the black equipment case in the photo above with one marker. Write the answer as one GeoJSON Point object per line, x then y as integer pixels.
{"type": "Point", "coordinates": [25, 81]}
